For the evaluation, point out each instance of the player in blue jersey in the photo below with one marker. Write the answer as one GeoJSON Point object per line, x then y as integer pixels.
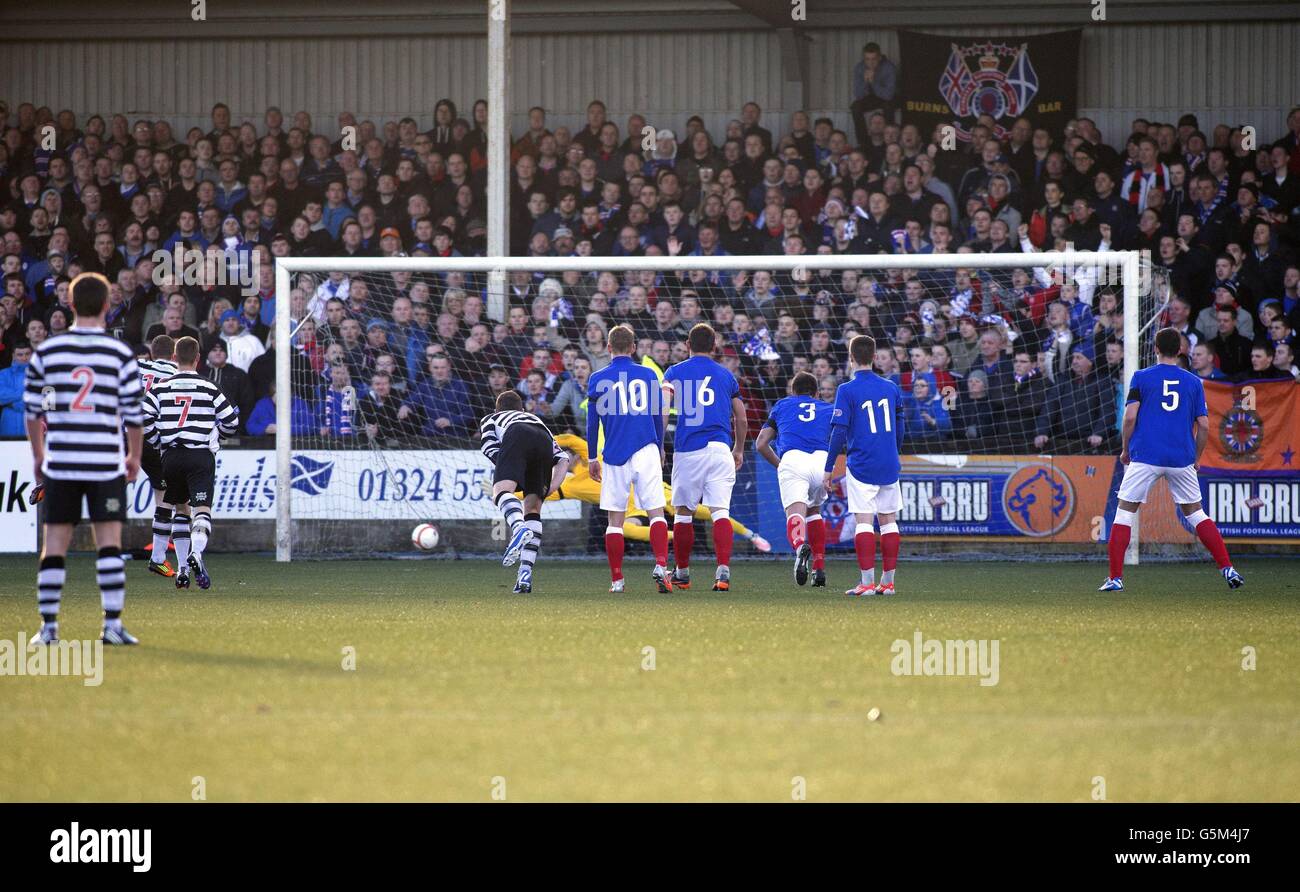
{"type": "Point", "coordinates": [624, 398]}
{"type": "Point", "coordinates": [708, 449]}
{"type": "Point", "coordinates": [868, 420]}
{"type": "Point", "coordinates": [1166, 426]}
{"type": "Point", "coordinates": [800, 426]}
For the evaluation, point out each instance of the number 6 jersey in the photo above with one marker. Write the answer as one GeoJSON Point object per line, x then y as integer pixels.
{"type": "Point", "coordinates": [702, 393]}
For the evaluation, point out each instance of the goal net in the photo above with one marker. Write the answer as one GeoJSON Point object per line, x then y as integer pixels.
{"type": "Point", "coordinates": [1012, 366]}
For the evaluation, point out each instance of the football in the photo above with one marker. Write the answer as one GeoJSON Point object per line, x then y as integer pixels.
{"type": "Point", "coordinates": [425, 537]}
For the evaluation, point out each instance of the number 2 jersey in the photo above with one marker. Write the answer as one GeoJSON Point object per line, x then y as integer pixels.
{"type": "Point", "coordinates": [802, 423]}
{"type": "Point", "coordinates": [702, 393]}
{"type": "Point", "coordinates": [868, 421]}
{"type": "Point", "coordinates": [1169, 399]}
{"type": "Point", "coordinates": [85, 385]}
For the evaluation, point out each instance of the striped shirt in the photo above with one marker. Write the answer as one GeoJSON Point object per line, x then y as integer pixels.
{"type": "Point", "coordinates": [494, 427]}
{"type": "Point", "coordinates": [152, 371]}
{"type": "Point", "coordinates": [85, 385]}
{"type": "Point", "coordinates": [187, 411]}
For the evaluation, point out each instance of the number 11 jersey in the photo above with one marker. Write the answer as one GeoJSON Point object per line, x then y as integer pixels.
{"type": "Point", "coordinates": [869, 408]}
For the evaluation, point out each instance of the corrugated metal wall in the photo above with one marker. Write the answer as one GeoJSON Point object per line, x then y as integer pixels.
{"type": "Point", "coordinates": [1244, 73]}
{"type": "Point", "coordinates": [1235, 73]}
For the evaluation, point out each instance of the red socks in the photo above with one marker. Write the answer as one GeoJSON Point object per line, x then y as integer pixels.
{"type": "Point", "coordinates": [794, 531]}
{"type": "Point", "coordinates": [659, 540]}
{"type": "Point", "coordinates": [864, 543]}
{"type": "Point", "coordinates": [683, 540]}
{"type": "Point", "coordinates": [614, 551]}
{"type": "Point", "coordinates": [889, 542]}
{"type": "Point", "coordinates": [1121, 530]}
{"type": "Point", "coordinates": [723, 535]}
{"type": "Point", "coordinates": [816, 529]}
{"type": "Point", "coordinates": [1208, 533]}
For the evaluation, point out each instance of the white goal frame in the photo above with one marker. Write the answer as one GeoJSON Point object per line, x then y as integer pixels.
{"type": "Point", "coordinates": [1127, 262]}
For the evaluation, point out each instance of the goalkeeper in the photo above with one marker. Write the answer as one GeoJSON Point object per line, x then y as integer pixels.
{"type": "Point", "coordinates": [579, 485]}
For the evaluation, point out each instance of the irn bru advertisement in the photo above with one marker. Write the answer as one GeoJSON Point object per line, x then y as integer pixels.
{"type": "Point", "coordinates": [1045, 498]}
{"type": "Point", "coordinates": [1250, 485]}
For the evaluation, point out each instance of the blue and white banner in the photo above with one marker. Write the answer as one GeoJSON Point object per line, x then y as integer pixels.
{"type": "Point", "coordinates": [415, 484]}
{"type": "Point", "coordinates": [17, 514]}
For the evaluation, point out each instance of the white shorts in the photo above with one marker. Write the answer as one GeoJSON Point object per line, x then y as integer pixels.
{"type": "Point", "coordinates": [704, 477]}
{"type": "Point", "coordinates": [868, 498]}
{"type": "Point", "coordinates": [1139, 478]}
{"type": "Point", "coordinates": [641, 473]}
{"type": "Point", "coordinates": [800, 475]}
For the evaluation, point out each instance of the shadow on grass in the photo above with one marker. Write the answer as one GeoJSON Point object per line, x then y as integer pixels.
{"type": "Point", "coordinates": [247, 661]}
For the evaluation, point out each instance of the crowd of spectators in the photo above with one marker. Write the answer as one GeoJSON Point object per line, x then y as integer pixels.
{"type": "Point", "coordinates": [988, 360]}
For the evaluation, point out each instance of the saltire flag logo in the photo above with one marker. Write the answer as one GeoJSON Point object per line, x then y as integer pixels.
{"type": "Point", "coordinates": [988, 90]}
{"type": "Point", "coordinates": [310, 476]}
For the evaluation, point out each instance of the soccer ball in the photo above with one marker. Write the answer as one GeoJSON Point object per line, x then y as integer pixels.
{"type": "Point", "coordinates": [425, 537]}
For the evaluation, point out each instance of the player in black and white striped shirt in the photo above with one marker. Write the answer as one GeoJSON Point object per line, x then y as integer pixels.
{"type": "Point", "coordinates": [185, 418]}
{"type": "Point", "coordinates": [82, 387]}
{"type": "Point", "coordinates": [527, 458]}
{"type": "Point", "coordinates": [167, 520]}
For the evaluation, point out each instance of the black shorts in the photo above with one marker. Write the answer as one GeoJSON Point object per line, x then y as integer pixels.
{"type": "Point", "coordinates": [105, 500]}
{"type": "Point", "coordinates": [190, 475]}
{"type": "Point", "coordinates": [527, 457]}
{"type": "Point", "coordinates": [151, 466]}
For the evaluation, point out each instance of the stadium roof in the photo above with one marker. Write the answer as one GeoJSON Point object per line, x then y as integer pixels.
{"type": "Point", "coordinates": [115, 19]}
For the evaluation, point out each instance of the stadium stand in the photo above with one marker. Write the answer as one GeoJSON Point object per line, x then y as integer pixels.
{"type": "Point", "coordinates": [989, 362]}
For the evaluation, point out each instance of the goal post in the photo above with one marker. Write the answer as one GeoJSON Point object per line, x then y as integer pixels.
{"type": "Point", "coordinates": [1124, 274]}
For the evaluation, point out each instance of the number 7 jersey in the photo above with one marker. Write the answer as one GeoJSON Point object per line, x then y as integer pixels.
{"type": "Point", "coordinates": [1169, 399]}
{"type": "Point", "coordinates": [868, 421]}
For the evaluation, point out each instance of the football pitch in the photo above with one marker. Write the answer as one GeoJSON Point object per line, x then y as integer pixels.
{"type": "Point", "coordinates": [429, 680]}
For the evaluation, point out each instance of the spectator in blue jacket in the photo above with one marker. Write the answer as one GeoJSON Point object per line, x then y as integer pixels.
{"type": "Point", "coordinates": [230, 191]}
{"type": "Point", "coordinates": [924, 415]}
{"type": "Point", "coordinates": [12, 381]}
{"type": "Point", "coordinates": [336, 210]}
{"type": "Point", "coordinates": [443, 401]}
{"type": "Point", "coordinates": [302, 418]}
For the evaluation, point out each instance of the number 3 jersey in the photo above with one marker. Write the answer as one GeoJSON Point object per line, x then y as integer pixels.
{"type": "Point", "coordinates": [802, 423]}
{"type": "Point", "coordinates": [702, 393]}
{"type": "Point", "coordinates": [188, 411]}
{"type": "Point", "coordinates": [85, 385]}
{"type": "Point", "coordinates": [868, 420]}
{"type": "Point", "coordinates": [1169, 399]}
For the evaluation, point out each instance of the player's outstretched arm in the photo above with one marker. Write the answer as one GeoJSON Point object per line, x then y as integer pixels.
{"type": "Point", "coordinates": [557, 474]}
{"type": "Point", "coordinates": [36, 434]}
{"type": "Point", "coordinates": [764, 445]}
{"type": "Point", "coordinates": [1130, 425]}
{"type": "Point", "coordinates": [741, 424]}
{"type": "Point", "coordinates": [134, 444]}
{"type": "Point", "coordinates": [1202, 436]}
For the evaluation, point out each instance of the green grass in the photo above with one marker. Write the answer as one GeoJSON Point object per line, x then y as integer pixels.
{"type": "Point", "coordinates": [458, 681]}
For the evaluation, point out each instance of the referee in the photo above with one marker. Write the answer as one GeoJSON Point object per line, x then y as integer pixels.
{"type": "Point", "coordinates": [82, 387]}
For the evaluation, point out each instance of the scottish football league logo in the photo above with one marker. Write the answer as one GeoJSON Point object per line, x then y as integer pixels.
{"type": "Point", "coordinates": [1001, 85]}
{"type": "Point", "coordinates": [1241, 432]}
{"type": "Point", "coordinates": [1038, 500]}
